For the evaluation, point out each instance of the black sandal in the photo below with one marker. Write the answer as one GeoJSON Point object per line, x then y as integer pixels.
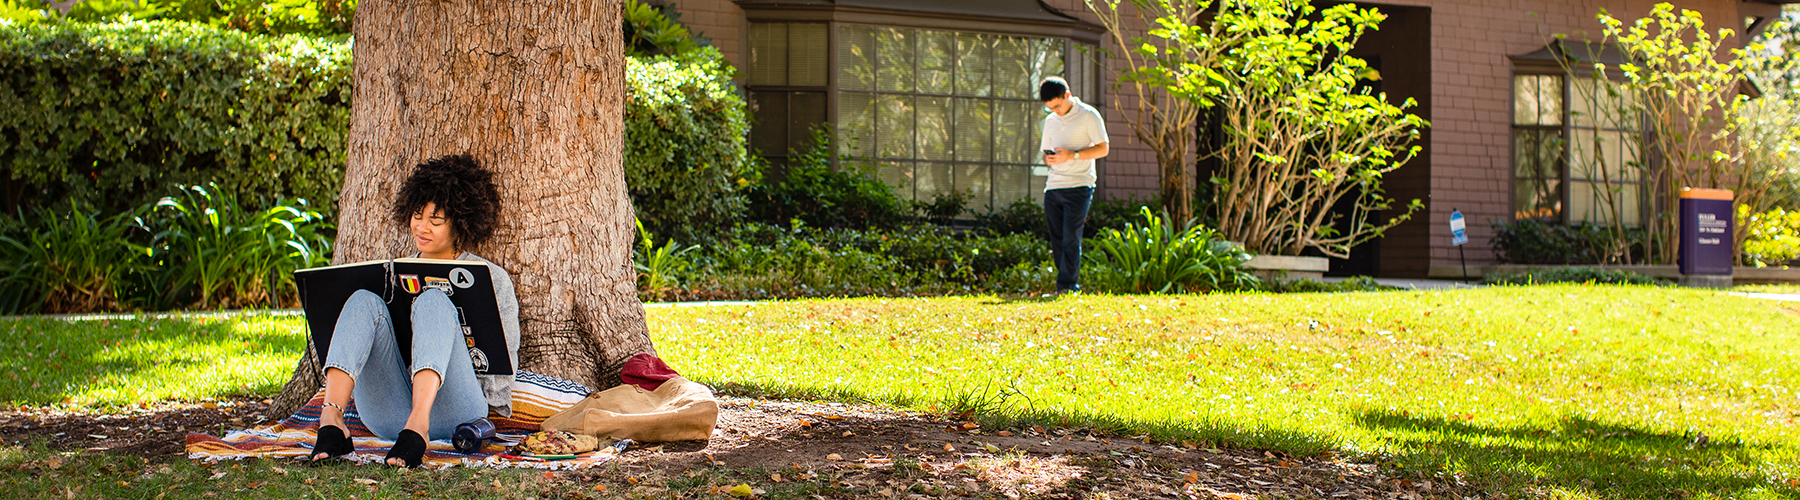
{"type": "Point", "coordinates": [333, 443]}
{"type": "Point", "coordinates": [410, 447]}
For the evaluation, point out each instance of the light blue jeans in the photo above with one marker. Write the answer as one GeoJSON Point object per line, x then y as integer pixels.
{"type": "Point", "coordinates": [364, 347]}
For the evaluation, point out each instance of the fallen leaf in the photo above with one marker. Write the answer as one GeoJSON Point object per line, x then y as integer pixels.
{"type": "Point", "coordinates": [279, 470]}
{"type": "Point", "coordinates": [833, 417]}
{"type": "Point", "coordinates": [990, 447]}
{"type": "Point", "coordinates": [775, 477]}
{"type": "Point", "coordinates": [217, 475]}
{"type": "Point", "coordinates": [834, 457]}
{"type": "Point", "coordinates": [1004, 434]}
{"type": "Point", "coordinates": [848, 434]}
{"type": "Point", "coordinates": [1193, 476]}
{"type": "Point", "coordinates": [600, 488]}
{"type": "Point", "coordinates": [971, 425]}
{"type": "Point", "coordinates": [496, 483]}
{"type": "Point", "coordinates": [631, 480]}
{"type": "Point", "coordinates": [1190, 444]}
{"type": "Point", "coordinates": [742, 490]}
{"type": "Point", "coordinates": [363, 480]}
{"type": "Point", "coordinates": [549, 475]}
{"type": "Point", "coordinates": [947, 447]}
{"type": "Point", "coordinates": [1137, 449]}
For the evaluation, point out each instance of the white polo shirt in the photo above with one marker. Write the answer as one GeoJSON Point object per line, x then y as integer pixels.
{"type": "Point", "coordinates": [1082, 128]}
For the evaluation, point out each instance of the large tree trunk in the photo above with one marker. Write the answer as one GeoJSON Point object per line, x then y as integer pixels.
{"type": "Point", "coordinates": [535, 91]}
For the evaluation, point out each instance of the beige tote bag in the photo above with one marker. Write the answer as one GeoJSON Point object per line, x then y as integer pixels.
{"type": "Point", "coordinates": [679, 410]}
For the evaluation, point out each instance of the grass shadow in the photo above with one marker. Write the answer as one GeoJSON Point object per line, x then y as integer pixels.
{"type": "Point", "coordinates": [1003, 407]}
{"type": "Point", "coordinates": [1574, 452]}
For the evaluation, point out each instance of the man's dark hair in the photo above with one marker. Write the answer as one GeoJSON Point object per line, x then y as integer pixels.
{"type": "Point", "coordinates": [1053, 87]}
{"type": "Point", "coordinates": [462, 189]}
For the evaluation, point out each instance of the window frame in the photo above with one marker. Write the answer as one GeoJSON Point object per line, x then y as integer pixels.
{"type": "Point", "coordinates": [1567, 128]}
{"type": "Point", "coordinates": [1071, 43]}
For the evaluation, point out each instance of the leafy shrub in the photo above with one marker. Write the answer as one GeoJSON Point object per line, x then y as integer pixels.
{"type": "Point", "coordinates": [114, 115]}
{"type": "Point", "coordinates": [1531, 241]}
{"type": "Point", "coordinates": [1158, 257]}
{"type": "Point", "coordinates": [1023, 217]}
{"type": "Point", "coordinates": [1774, 238]}
{"type": "Point", "coordinates": [1572, 275]}
{"type": "Point", "coordinates": [755, 260]}
{"type": "Point", "coordinates": [198, 248]}
{"type": "Point", "coordinates": [944, 208]}
{"type": "Point", "coordinates": [656, 31]}
{"type": "Point", "coordinates": [1353, 284]}
{"type": "Point", "coordinates": [71, 260]}
{"type": "Point", "coordinates": [210, 251]}
{"type": "Point", "coordinates": [658, 266]}
{"type": "Point", "coordinates": [814, 192]}
{"type": "Point", "coordinates": [1114, 213]}
{"type": "Point", "coordinates": [685, 157]}
{"type": "Point", "coordinates": [269, 17]}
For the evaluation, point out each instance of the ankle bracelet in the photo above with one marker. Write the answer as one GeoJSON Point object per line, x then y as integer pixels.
{"type": "Point", "coordinates": [334, 405]}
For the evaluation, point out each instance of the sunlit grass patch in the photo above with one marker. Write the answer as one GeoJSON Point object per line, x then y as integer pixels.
{"type": "Point", "coordinates": [104, 363]}
{"type": "Point", "coordinates": [1570, 387]}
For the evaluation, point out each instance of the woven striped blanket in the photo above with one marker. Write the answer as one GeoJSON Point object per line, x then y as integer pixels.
{"type": "Point", "coordinates": [535, 398]}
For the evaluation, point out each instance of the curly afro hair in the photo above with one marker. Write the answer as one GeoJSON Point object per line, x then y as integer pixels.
{"type": "Point", "coordinates": [462, 189]}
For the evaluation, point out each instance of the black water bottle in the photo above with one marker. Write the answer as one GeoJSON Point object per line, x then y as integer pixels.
{"type": "Point", "coordinates": [470, 436]}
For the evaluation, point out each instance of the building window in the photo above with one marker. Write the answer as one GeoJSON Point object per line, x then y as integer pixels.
{"type": "Point", "coordinates": [937, 111]}
{"type": "Point", "coordinates": [1576, 152]}
{"type": "Point", "coordinates": [787, 85]}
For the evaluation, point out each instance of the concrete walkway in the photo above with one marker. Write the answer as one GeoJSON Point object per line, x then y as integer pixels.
{"type": "Point", "coordinates": [1784, 297]}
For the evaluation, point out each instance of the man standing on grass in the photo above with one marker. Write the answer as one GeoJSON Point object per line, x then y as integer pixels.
{"type": "Point", "coordinates": [1074, 136]}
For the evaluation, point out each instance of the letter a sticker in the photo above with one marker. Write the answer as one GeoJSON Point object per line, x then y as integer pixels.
{"type": "Point", "coordinates": [462, 278]}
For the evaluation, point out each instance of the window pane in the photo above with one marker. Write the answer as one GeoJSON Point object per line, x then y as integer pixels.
{"type": "Point", "coordinates": [934, 128]}
{"type": "Point", "coordinates": [1613, 155]}
{"type": "Point", "coordinates": [856, 57]}
{"type": "Point", "coordinates": [805, 109]}
{"type": "Point", "coordinates": [1087, 66]}
{"type": "Point", "coordinates": [974, 64]}
{"type": "Point", "coordinates": [1016, 133]}
{"type": "Point", "coordinates": [1011, 183]}
{"type": "Point", "coordinates": [769, 134]}
{"type": "Point", "coordinates": [894, 126]}
{"type": "Point", "coordinates": [937, 51]}
{"type": "Point", "coordinates": [856, 124]}
{"type": "Point", "coordinates": [768, 54]}
{"type": "Point", "coordinates": [898, 175]}
{"type": "Point", "coordinates": [1526, 144]}
{"type": "Point", "coordinates": [807, 56]}
{"type": "Point", "coordinates": [978, 181]}
{"type": "Point", "coordinates": [974, 129]}
{"type": "Point", "coordinates": [1536, 198]}
{"type": "Point", "coordinates": [1550, 100]}
{"type": "Point", "coordinates": [1525, 104]}
{"type": "Point", "coordinates": [1585, 106]}
{"type": "Point", "coordinates": [1012, 69]}
{"type": "Point", "coordinates": [1582, 202]}
{"type": "Point", "coordinates": [1584, 154]}
{"type": "Point", "coordinates": [1047, 55]}
{"type": "Point", "coordinates": [933, 179]}
{"type": "Point", "coordinates": [894, 50]}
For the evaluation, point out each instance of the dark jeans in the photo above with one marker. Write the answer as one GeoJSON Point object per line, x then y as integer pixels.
{"type": "Point", "coordinates": [1066, 212]}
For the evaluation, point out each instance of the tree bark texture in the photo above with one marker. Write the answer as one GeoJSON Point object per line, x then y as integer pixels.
{"type": "Point", "coordinates": [535, 91]}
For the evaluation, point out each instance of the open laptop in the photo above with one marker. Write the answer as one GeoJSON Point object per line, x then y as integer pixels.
{"type": "Point", "coordinates": [323, 291]}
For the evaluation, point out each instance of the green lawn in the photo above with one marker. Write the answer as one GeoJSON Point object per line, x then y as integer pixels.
{"type": "Point", "coordinates": [1585, 391]}
{"type": "Point", "coordinates": [107, 363]}
{"type": "Point", "coordinates": [1564, 391]}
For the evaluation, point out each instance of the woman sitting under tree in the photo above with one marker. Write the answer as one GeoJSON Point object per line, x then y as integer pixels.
{"type": "Point", "coordinates": [451, 204]}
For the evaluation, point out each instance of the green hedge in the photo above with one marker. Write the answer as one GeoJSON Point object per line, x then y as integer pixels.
{"type": "Point", "coordinates": [114, 115]}
{"type": "Point", "coordinates": [686, 161]}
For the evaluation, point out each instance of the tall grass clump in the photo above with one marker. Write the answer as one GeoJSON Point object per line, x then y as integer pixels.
{"type": "Point", "coordinates": [198, 248]}
{"type": "Point", "coordinates": [1160, 257]}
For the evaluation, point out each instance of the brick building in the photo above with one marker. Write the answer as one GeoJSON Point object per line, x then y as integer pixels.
{"type": "Point", "coordinates": [939, 94]}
